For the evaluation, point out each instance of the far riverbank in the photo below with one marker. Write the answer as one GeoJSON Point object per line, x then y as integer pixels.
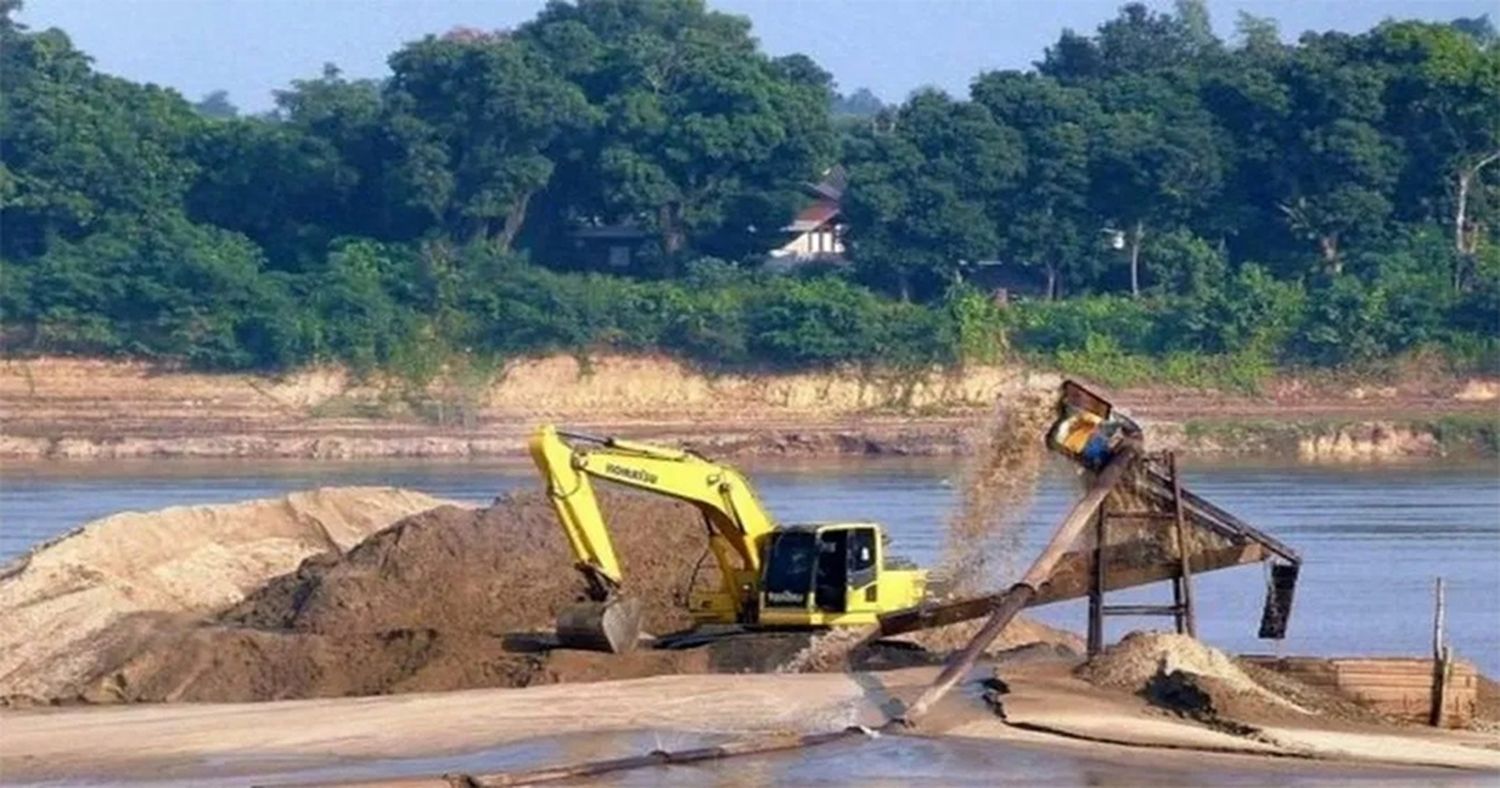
{"type": "Point", "coordinates": [71, 409]}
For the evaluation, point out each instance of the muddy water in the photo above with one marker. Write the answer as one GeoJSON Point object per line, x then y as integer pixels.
{"type": "Point", "coordinates": [892, 760]}
{"type": "Point", "coordinates": [887, 761]}
{"type": "Point", "coordinates": [1373, 537]}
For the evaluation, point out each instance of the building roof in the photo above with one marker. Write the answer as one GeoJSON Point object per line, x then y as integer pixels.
{"type": "Point", "coordinates": [814, 216]}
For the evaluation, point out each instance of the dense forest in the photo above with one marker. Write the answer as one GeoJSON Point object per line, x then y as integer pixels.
{"type": "Point", "coordinates": [1186, 208]}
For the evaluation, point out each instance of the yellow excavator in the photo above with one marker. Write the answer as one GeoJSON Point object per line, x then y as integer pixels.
{"type": "Point", "coordinates": [770, 576]}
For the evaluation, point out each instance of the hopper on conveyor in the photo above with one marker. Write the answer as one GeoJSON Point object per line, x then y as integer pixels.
{"type": "Point", "coordinates": [1139, 543]}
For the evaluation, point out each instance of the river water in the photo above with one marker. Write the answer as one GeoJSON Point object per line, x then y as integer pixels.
{"type": "Point", "coordinates": [1373, 538]}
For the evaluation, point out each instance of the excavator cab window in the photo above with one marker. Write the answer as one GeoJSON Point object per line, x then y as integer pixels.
{"type": "Point", "coordinates": [831, 589]}
{"type": "Point", "coordinates": [862, 556]}
{"type": "Point", "coordinates": [790, 564]}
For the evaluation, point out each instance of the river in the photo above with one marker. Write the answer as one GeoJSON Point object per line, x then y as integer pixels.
{"type": "Point", "coordinates": [1374, 537]}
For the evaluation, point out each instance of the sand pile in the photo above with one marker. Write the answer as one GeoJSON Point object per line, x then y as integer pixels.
{"type": "Point", "coordinates": [447, 599]}
{"type": "Point", "coordinates": [504, 569]}
{"type": "Point", "coordinates": [840, 649]}
{"type": "Point", "coordinates": [73, 606]}
{"type": "Point", "coordinates": [1021, 631]}
{"type": "Point", "coordinates": [1172, 669]}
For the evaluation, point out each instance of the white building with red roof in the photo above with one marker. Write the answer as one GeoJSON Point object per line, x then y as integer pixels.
{"type": "Point", "coordinates": [817, 232]}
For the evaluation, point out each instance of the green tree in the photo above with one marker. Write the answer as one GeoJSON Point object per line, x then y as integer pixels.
{"type": "Point", "coordinates": [1153, 165]}
{"type": "Point", "coordinates": [920, 197]}
{"type": "Point", "coordinates": [475, 114]}
{"type": "Point", "coordinates": [161, 288]}
{"type": "Point", "coordinates": [1046, 221]}
{"type": "Point", "coordinates": [859, 104]}
{"type": "Point", "coordinates": [1136, 41]}
{"type": "Point", "coordinates": [1338, 166]}
{"type": "Point", "coordinates": [78, 147]}
{"type": "Point", "coordinates": [700, 130]}
{"type": "Point", "coordinates": [216, 105]}
{"type": "Point", "coordinates": [1444, 100]}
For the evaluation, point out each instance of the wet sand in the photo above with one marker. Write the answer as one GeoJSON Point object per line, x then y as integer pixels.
{"type": "Point", "coordinates": [1073, 735]}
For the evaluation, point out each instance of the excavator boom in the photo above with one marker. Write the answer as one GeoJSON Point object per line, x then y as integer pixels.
{"type": "Point", "coordinates": [736, 521]}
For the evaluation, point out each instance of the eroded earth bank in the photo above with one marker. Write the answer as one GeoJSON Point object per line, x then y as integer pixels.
{"type": "Point", "coordinates": [80, 409]}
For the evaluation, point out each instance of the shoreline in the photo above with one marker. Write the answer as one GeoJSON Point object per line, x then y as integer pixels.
{"type": "Point", "coordinates": [1335, 438]}
{"type": "Point", "coordinates": [415, 738]}
{"type": "Point", "coordinates": [73, 409]}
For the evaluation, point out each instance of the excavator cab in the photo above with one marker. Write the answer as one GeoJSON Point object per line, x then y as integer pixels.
{"type": "Point", "coordinates": [832, 574]}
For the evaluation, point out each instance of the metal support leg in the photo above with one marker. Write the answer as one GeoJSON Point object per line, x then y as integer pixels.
{"type": "Point", "coordinates": [1179, 611]}
{"type": "Point", "coordinates": [1096, 589]}
{"type": "Point", "coordinates": [1183, 586]}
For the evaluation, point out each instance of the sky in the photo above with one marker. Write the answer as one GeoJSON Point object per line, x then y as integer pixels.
{"type": "Point", "coordinates": [252, 47]}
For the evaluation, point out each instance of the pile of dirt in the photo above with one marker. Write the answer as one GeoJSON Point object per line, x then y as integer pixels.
{"type": "Point", "coordinates": [77, 605]}
{"type": "Point", "coordinates": [1020, 632]}
{"type": "Point", "coordinates": [844, 649]}
{"type": "Point", "coordinates": [1179, 673]}
{"type": "Point", "coordinates": [447, 599]}
{"type": "Point", "coordinates": [1487, 705]}
{"type": "Point", "coordinates": [505, 569]}
{"type": "Point", "coordinates": [1488, 701]}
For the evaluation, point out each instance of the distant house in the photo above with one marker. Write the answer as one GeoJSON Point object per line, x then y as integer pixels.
{"type": "Point", "coordinates": [817, 232]}
{"type": "Point", "coordinates": [610, 246]}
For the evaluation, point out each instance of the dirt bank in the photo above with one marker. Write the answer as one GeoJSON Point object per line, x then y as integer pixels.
{"type": "Point", "coordinates": [82, 409]}
{"type": "Point", "coordinates": [448, 598]}
{"type": "Point", "coordinates": [76, 605]}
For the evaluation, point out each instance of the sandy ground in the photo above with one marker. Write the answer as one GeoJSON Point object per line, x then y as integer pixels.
{"type": "Point", "coordinates": [192, 742]}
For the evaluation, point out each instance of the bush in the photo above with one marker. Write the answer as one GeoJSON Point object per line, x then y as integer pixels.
{"type": "Point", "coordinates": [1058, 326]}
{"type": "Point", "coordinates": [823, 321]}
{"type": "Point", "coordinates": [1252, 311]}
{"type": "Point", "coordinates": [163, 289]}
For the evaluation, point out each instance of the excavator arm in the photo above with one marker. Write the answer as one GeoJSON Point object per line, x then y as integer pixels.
{"type": "Point", "coordinates": [735, 518]}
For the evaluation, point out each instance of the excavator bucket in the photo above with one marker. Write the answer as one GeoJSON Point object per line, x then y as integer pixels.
{"type": "Point", "coordinates": [612, 626]}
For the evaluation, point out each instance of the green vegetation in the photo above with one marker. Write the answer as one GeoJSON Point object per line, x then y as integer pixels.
{"type": "Point", "coordinates": [1462, 432]}
{"type": "Point", "coordinates": [1187, 210]}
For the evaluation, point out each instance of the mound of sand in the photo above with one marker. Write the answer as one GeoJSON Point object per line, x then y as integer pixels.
{"type": "Point", "coordinates": [505, 569]}
{"type": "Point", "coordinates": [1164, 667]}
{"type": "Point", "coordinates": [447, 599]}
{"type": "Point", "coordinates": [73, 606]}
{"type": "Point", "coordinates": [843, 649]}
{"type": "Point", "coordinates": [1021, 631]}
